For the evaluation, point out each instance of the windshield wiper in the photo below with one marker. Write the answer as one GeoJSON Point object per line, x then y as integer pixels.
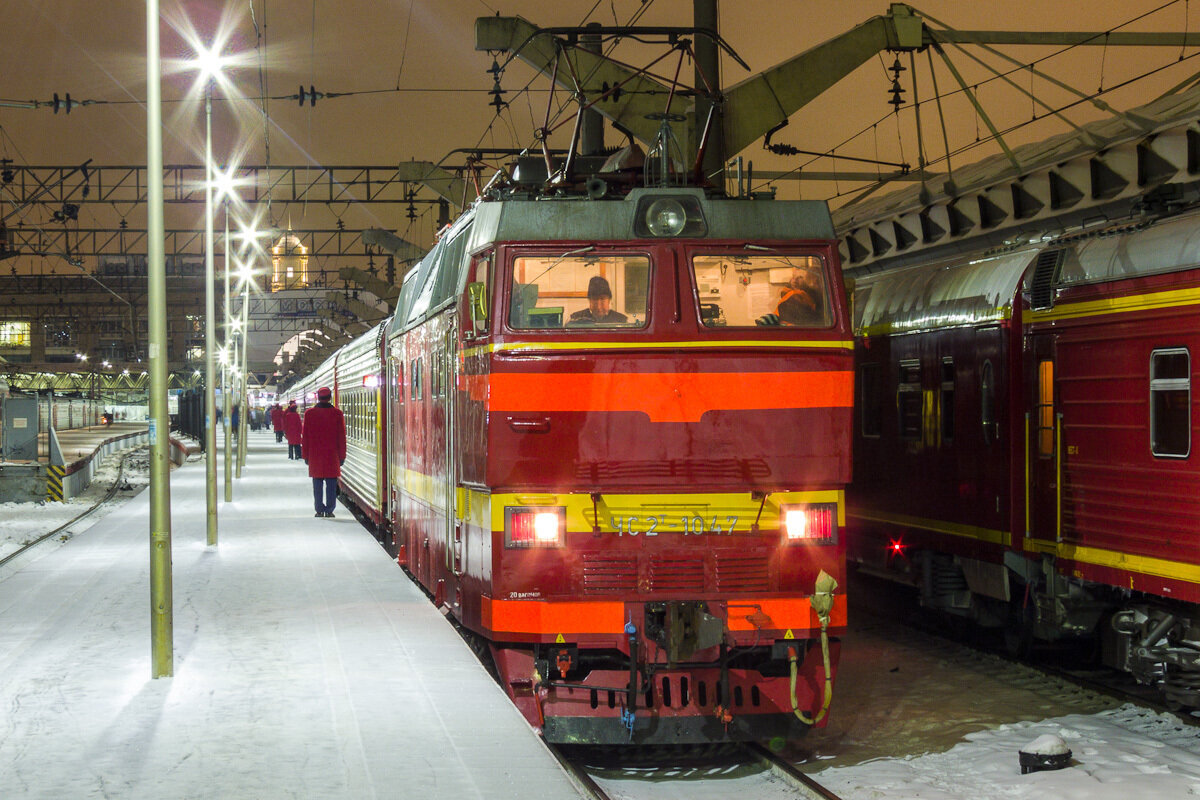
{"type": "Point", "coordinates": [563, 258]}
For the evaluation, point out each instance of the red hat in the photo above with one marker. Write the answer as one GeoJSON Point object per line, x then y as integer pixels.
{"type": "Point", "coordinates": [324, 392]}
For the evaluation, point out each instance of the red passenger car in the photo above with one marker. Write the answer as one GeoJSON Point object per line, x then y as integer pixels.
{"type": "Point", "coordinates": [617, 464]}
{"type": "Point", "coordinates": [1024, 449]}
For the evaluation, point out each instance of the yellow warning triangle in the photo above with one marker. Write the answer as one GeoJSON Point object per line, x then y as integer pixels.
{"type": "Point", "coordinates": [789, 634]}
{"type": "Point", "coordinates": [560, 640]}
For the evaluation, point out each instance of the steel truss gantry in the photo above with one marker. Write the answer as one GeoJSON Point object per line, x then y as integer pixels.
{"type": "Point", "coordinates": [184, 183]}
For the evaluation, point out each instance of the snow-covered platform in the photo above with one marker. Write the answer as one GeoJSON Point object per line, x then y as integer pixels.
{"type": "Point", "coordinates": [306, 664]}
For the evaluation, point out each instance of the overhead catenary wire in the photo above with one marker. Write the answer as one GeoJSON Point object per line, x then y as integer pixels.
{"type": "Point", "coordinates": [1025, 123]}
{"type": "Point", "coordinates": [1003, 76]}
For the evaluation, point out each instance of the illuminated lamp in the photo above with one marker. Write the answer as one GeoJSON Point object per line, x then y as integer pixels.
{"type": "Point", "coordinates": [534, 527]}
{"type": "Point", "coordinates": [815, 524]}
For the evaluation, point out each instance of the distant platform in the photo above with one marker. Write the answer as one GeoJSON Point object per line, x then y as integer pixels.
{"type": "Point", "coordinates": [83, 450]}
{"type": "Point", "coordinates": [306, 663]}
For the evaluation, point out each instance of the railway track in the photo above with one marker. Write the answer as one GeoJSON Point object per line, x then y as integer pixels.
{"type": "Point", "coordinates": [697, 773]}
{"type": "Point", "coordinates": [111, 492]}
{"type": "Point", "coordinates": [787, 771]}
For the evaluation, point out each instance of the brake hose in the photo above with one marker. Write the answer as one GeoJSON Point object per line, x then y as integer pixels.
{"type": "Point", "coordinates": [822, 603]}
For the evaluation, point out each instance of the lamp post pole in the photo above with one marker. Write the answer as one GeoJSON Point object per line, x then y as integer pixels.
{"type": "Point", "coordinates": [210, 333]}
{"type": "Point", "coordinates": [242, 443]}
{"type": "Point", "coordinates": [161, 601]}
{"type": "Point", "coordinates": [227, 372]}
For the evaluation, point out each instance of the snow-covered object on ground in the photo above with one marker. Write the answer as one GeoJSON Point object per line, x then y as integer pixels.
{"type": "Point", "coordinates": [1047, 745]}
{"type": "Point", "coordinates": [1045, 752]}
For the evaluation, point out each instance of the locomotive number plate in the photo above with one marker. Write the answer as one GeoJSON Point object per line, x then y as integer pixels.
{"type": "Point", "coordinates": [654, 524]}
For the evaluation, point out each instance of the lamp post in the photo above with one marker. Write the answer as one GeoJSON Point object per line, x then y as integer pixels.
{"type": "Point", "coordinates": [249, 235]}
{"type": "Point", "coordinates": [161, 600]}
{"type": "Point", "coordinates": [243, 444]}
{"type": "Point", "coordinates": [226, 373]}
{"type": "Point", "coordinates": [210, 332]}
{"type": "Point", "coordinates": [240, 381]}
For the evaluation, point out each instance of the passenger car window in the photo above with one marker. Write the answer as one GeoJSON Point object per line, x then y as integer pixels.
{"type": "Point", "coordinates": [987, 403]}
{"type": "Point", "coordinates": [769, 289]}
{"type": "Point", "coordinates": [579, 290]}
{"type": "Point", "coordinates": [1171, 403]}
{"type": "Point", "coordinates": [909, 400]}
{"type": "Point", "coordinates": [870, 399]}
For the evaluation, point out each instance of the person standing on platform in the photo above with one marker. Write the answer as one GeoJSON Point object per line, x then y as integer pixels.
{"type": "Point", "coordinates": [293, 429]}
{"type": "Point", "coordinates": [324, 450]}
{"type": "Point", "coordinates": [277, 421]}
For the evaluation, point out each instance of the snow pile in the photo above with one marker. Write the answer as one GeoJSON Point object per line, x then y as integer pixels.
{"type": "Point", "coordinates": [1117, 753]}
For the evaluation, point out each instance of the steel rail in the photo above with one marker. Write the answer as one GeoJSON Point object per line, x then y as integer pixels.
{"type": "Point", "coordinates": [807, 787]}
{"type": "Point", "coordinates": [578, 775]}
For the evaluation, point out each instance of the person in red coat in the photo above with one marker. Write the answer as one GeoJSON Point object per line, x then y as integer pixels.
{"type": "Point", "coordinates": [324, 450]}
{"type": "Point", "coordinates": [277, 421]}
{"type": "Point", "coordinates": [293, 429]}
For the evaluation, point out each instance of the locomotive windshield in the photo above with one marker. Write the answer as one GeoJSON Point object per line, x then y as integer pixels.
{"type": "Point", "coordinates": [579, 289]}
{"type": "Point", "coordinates": [745, 291]}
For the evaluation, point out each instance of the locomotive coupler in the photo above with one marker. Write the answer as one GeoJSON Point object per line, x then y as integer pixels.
{"type": "Point", "coordinates": [683, 629]}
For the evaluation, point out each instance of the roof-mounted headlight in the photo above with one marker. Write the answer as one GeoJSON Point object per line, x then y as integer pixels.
{"type": "Point", "coordinates": [670, 215]}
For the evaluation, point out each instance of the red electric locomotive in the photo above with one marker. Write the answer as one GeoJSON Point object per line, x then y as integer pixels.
{"type": "Point", "coordinates": [617, 455]}
{"type": "Point", "coordinates": [1024, 442]}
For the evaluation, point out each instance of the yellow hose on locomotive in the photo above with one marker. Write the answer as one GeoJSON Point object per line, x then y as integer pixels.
{"type": "Point", "coordinates": [822, 603]}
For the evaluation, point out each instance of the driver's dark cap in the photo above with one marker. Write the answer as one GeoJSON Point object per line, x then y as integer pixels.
{"type": "Point", "coordinates": [598, 287]}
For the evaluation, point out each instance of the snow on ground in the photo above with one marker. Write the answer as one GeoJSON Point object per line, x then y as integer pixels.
{"type": "Point", "coordinates": [21, 523]}
{"type": "Point", "coordinates": [1118, 754]}
{"type": "Point", "coordinates": [305, 664]}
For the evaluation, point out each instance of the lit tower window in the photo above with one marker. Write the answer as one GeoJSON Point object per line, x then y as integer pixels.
{"type": "Point", "coordinates": [289, 263]}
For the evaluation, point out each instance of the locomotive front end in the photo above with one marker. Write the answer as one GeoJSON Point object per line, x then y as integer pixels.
{"type": "Point", "coordinates": [665, 417]}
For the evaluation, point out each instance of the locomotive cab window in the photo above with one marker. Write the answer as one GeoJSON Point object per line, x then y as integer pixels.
{"type": "Point", "coordinates": [762, 289]}
{"type": "Point", "coordinates": [1170, 403]}
{"type": "Point", "coordinates": [579, 289]}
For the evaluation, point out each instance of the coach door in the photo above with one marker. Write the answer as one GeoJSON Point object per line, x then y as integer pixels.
{"type": "Point", "coordinates": [1043, 443]}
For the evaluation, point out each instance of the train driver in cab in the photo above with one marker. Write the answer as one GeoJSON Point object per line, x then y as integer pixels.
{"type": "Point", "coordinates": [803, 301]}
{"type": "Point", "coordinates": [599, 310]}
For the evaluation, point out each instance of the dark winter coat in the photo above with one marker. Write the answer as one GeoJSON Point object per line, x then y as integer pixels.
{"type": "Point", "coordinates": [293, 426]}
{"type": "Point", "coordinates": [277, 417]}
{"type": "Point", "coordinates": [324, 440]}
